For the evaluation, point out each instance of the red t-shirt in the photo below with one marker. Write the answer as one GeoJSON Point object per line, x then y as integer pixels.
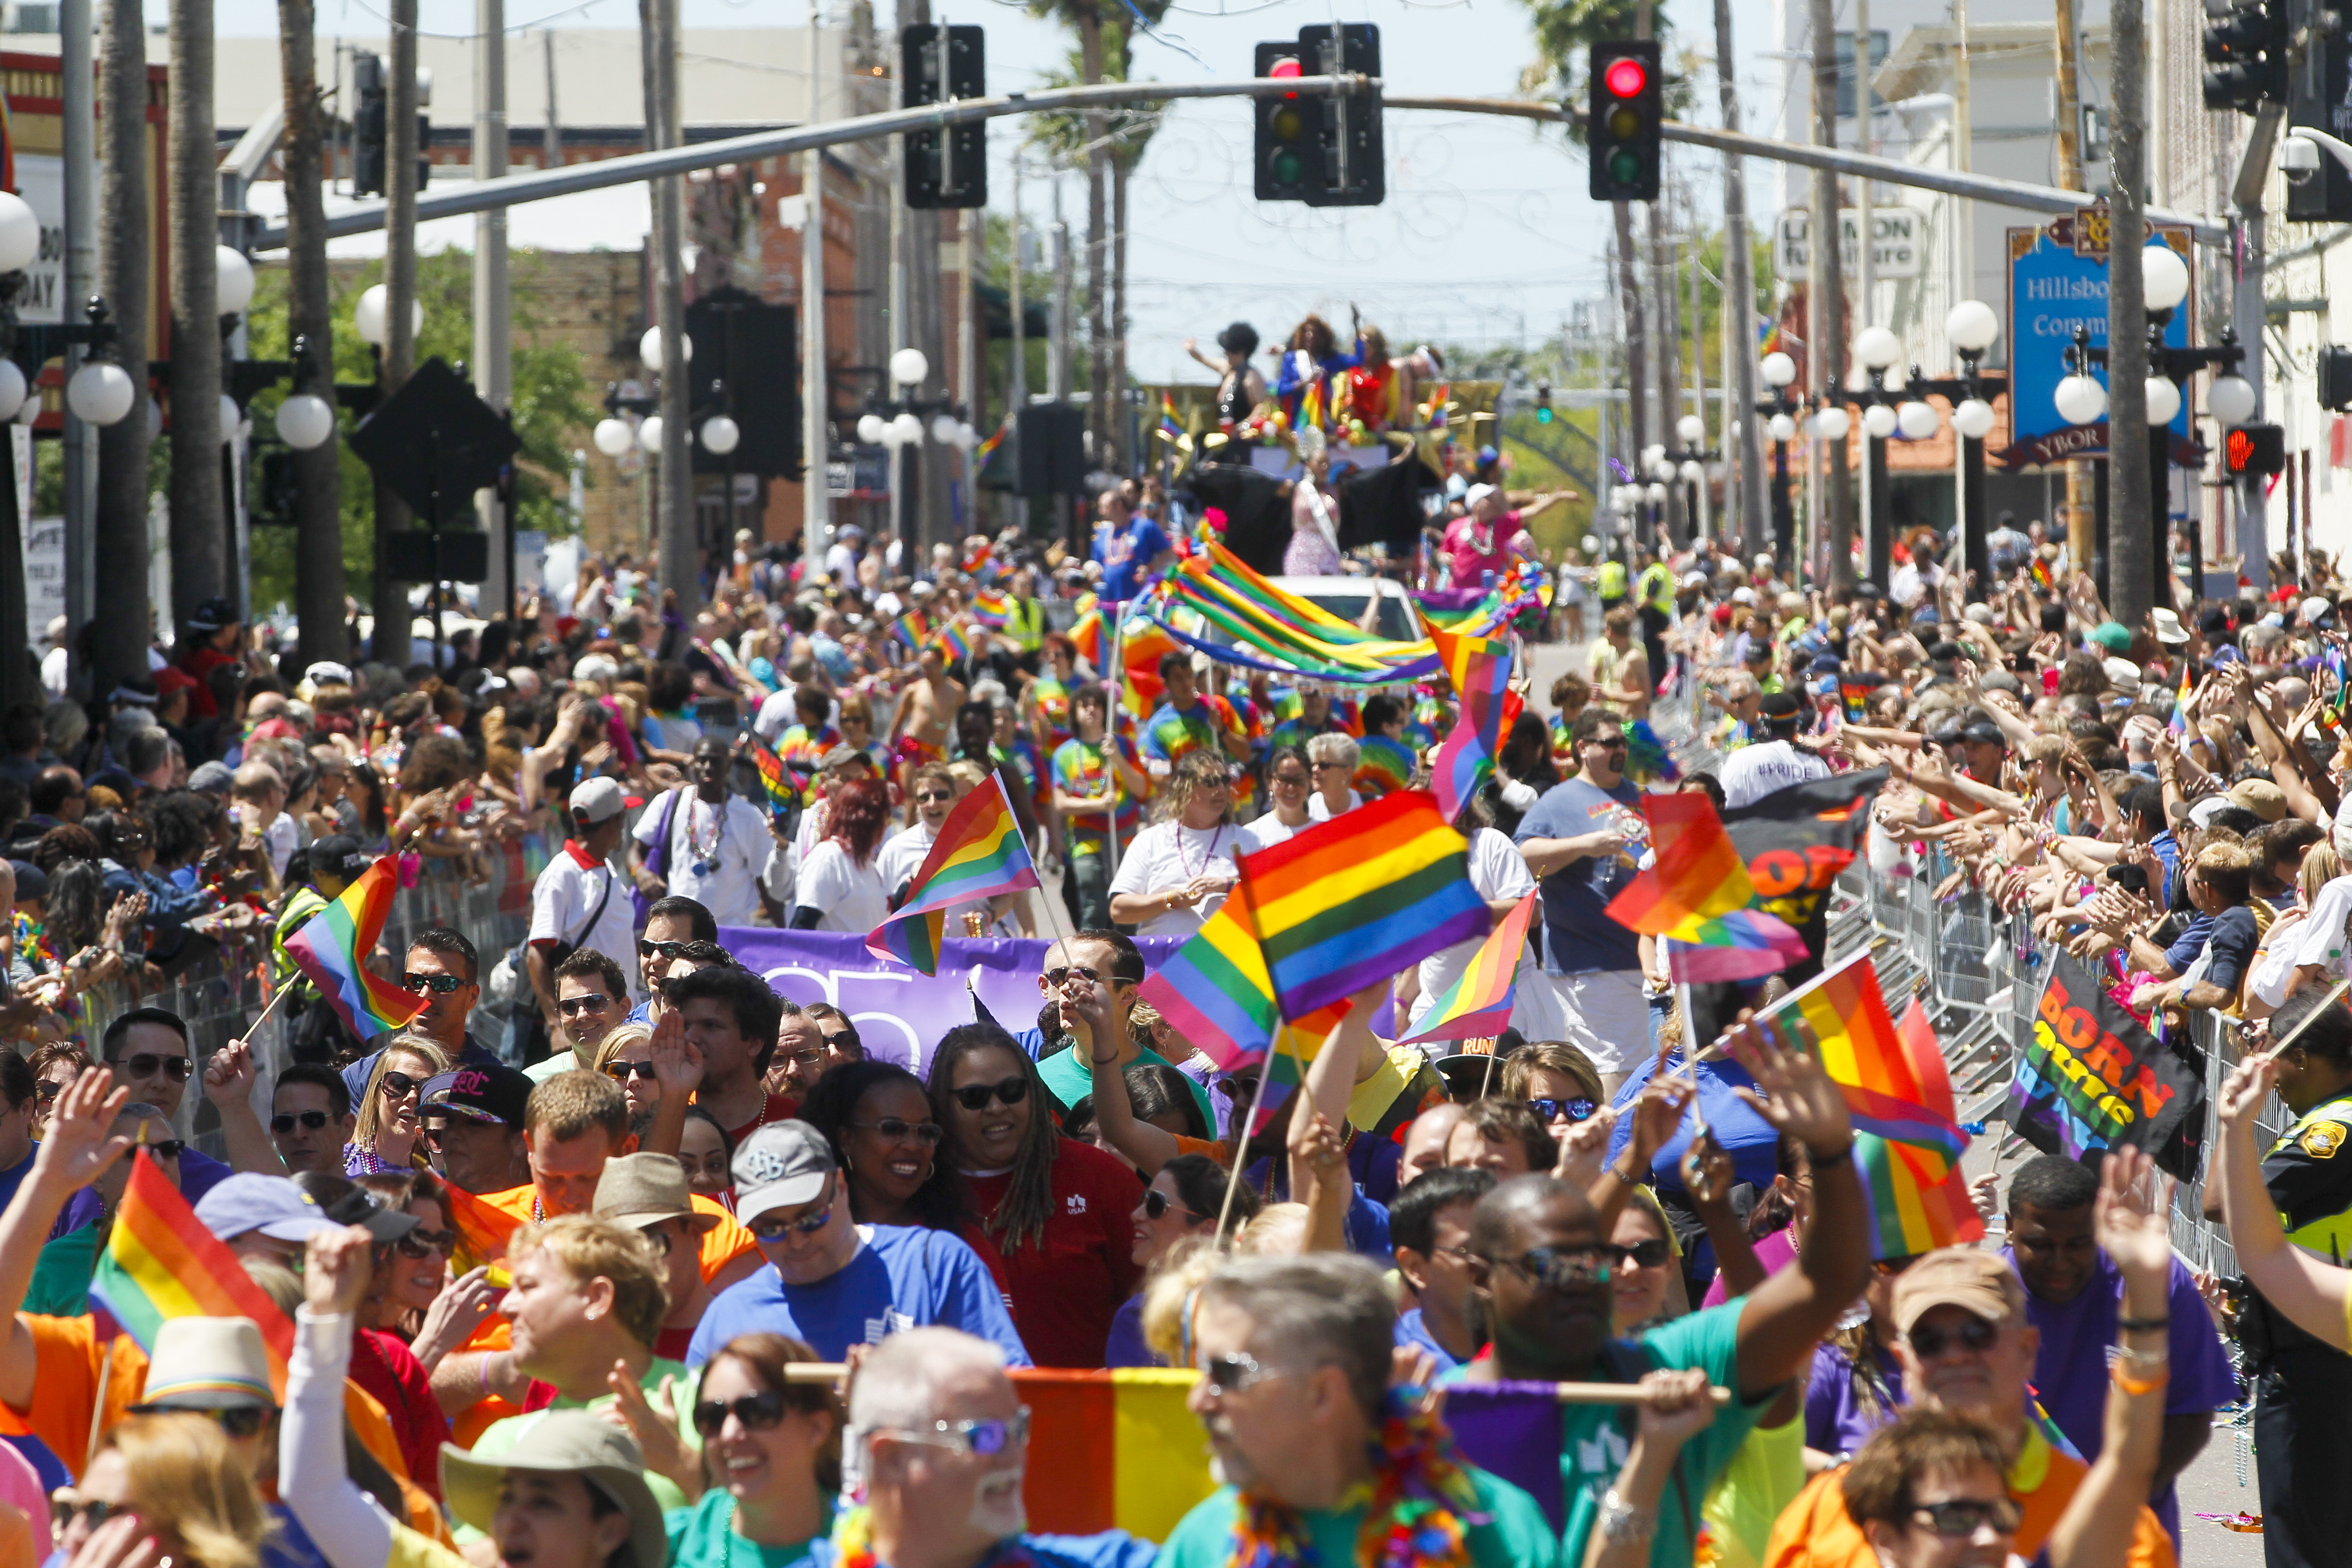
{"type": "Point", "coordinates": [1068, 1286]}
{"type": "Point", "coordinates": [780, 1108]}
{"type": "Point", "coordinates": [390, 1372]}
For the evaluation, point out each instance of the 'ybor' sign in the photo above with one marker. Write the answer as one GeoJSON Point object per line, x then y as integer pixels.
{"type": "Point", "coordinates": [2093, 1078]}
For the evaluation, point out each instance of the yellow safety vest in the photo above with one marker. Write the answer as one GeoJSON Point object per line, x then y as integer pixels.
{"type": "Point", "coordinates": [1609, 582]}
{"type": "Point", "coordinates": [2326, 1125]}
{"type": "Point", "coordinates": [1025, 623]}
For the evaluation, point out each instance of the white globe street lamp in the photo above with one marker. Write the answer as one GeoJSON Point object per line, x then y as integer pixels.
{"type": "Point", "coordinates": [908, 367]}
{"type": "Point", "coordinates": [20, 233]}
{"type": "Point", "coordinates": [649, 434]}
{"type": "Point", "coordinates": [2080, 400]}
{"type": "Point", "coordinates": [2163, 400]}
{"type": "Point", "coordinates": [1973, 418]}
{"type": "Point", "coordinates": [370, 317]}
{"type": "Point", "coordinates": [1916, 420]}
{"type": "Point", "coordinates": [1779, 369]}
{"type": "Point", "coordinates": [650, 350]}
{"type": "Point", "coordinates": [719, 435]}
{"type": "Point", "coordinates": [305, 421]}
{"type": "Point", "coordinates": [2230, 399]}
{"type": "Point", "coordinates": [100, 393]}
{"type": "Point", "coordinates": [1971, 326]}
{"type": "Point", "coordinates": [1878, 421]}
{"type": "Point", "coordinates": [612, 435]}
{"type": "Point", "coordinates": [1833, 424]}
{"type": "Point", "coordinates": [233, 276]}
{"type": "Point", "coordinates": [13, 388]}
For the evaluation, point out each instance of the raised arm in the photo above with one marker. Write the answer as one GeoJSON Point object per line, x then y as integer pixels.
{"type": "Point", "coordinates": [73, 1151]}
{"type": "Point", "coordinates": [1085, 1008]}
{"type": "Point", "coordinates": [2311, 1295]}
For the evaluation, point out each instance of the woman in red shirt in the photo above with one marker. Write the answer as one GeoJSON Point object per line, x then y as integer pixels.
{"type": "Point", "coordinates": [1057, 1208]}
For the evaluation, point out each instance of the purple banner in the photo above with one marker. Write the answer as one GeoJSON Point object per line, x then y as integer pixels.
{"type": "Point", "coordinates": [1512, 1430]}
{"type": "Point", "coordinates": [900, 1013]}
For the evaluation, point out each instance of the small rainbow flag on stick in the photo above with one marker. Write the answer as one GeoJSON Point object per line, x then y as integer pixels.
{"type": "Point", "coordinates": [1696, 876]}
{"type": "Point", "coordinates": [332, 945]}
{"type": "Point", "coordinates": [160, 1263]}
{"type": "Point", "coordinates": [2178, 723]}
{"type": "Point", "coordinates": [1350, 901]}
{"type": "Point", "coordinates": [775, 777]}
{"type": "Point", "coordinates": [1478, 1005]}
{"type": "Point", "coordinates": [956, 643]}
{"type": "Point", "coordinates": [1480, 668]}
{"type": "Point", "coordinates": [1170, 424]}
{"type": "Point", "coordinates": [978, 855]}
{"type": "Point", "coordinates": [991, 608]}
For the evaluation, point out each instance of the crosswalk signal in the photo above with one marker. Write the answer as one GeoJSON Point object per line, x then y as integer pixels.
{"type": "Point", "coordinates": [946, 166]}
{"type": "Point", "coordinates": [2255, 450]}
{"type": "Point", "coordinates": [2246, 51]}
{"type": "Point", "coordinates": [1628, 114]}
{"type": "Point", "coordinates": [1543, 402]}
{"type": "Point", "coordinates": [1282, 148]}
{"type": "Point", "coordinates": [371, 144]}
{"type": "Point", "coordinates": [1346, 166]}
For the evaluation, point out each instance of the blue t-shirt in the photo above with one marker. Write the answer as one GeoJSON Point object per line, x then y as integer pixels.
{"type": "Point", "coordinates": [1127, 1346]}
{"type": "Point", "coordinates": [904, 1276]}
{"type": "Point", "coordinates": [472, 1054]}
{"type": "Point", "coordinates": [1412, 1331]}
{"type": "Point", "coordinates": [1127, 554]}
{"type": "Point", "coordinates": [1747, 1137]}
{"type": "Point", "coordinates": [1579, 936]}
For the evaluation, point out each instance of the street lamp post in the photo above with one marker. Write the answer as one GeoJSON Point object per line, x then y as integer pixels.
{"type": "Point", "coordinates": [1877, 349]}
{"type": "Point", "coordinates": [1780, 410]}
{"type": "Point", "coordinates": [2080, 399]}
{"type": "Point", "coordinates": [1689, 463]}
{"type": "Point", "coordinates": [1970, 327]}
{"type": "Point", "coordinates": [2164, 277]}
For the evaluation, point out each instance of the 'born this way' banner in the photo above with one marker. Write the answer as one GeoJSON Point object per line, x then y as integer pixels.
{"type": "Point", "coordinates": [2093, 1078]}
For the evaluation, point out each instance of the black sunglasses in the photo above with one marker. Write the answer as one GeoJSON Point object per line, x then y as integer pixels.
{"type": "Point", "coordinates": [626, 1070]}
{"type": "Point", "coordinates": [1930, 1341]}
{"type": "Point", "coordinates": [439, 984]}
{"type": "Point", "coordinates": [754, 1412]}
{"type": "Point", "coordinates": [897, 1131]}
{"type": "Point", "coordinates": [427, 1243]}
{"type": "Point", "coordinates": [666, 949]}
{"type": "Point", "coordinates": [95, 1512]}
{"type": "Point", "coordinates": [284, 1120]}
{"type": "Point", "coordinates": [46, 1091]}
{"type": "Point", "coordinates": [1550, 1110]}
{"type": "Point", "coordinates": [1057, 975]}
{"type": "Point", "coordinates": [976, 1095]}
{"type": "Point", "coordinates": [596, 1002]}
{"type": "Point", "coordinates": [1963, 1517]}
{"type": "Point", "coordinates": [167, 1148]}
{"type": "Point", "coordinates": [1156, 1202]}
{"type": "Point", "coordinates": [398, 1085]}
{"type": "Point", "coordinates": [146, 1064]}
{"type": "Point", "coordinates": [1650, 1254]}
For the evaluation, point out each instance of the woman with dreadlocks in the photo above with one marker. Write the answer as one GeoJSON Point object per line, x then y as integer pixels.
{"type": "Point", "coordinates": [1057, 1209]}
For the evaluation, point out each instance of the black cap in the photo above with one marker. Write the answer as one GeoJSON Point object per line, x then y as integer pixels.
{"type": "Point", "coordinates": [2214, 621]}
{"type": "Point", "coordinates": [1984, 734]}
{"type": "Point", "coordinates": [1778, 705]}
{"type": "Point", "coordinates": [1867, 590]}
{"type": "Point", "coordinates": [340, 853]}
{"type": "Point", "coordinates": [495, 1092]}
{"type": "Point", "coordinates": [357, 1207]}
{"type": "Point", "coordinates": [212, 615]}
{"type": "Point", "coordinates": [32, 882]}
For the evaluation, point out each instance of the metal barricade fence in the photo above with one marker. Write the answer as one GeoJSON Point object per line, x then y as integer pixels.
{"type": "Point", "coordinates": [1980, 971]}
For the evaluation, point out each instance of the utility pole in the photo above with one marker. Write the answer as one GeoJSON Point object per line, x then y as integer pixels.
{"type": "Point", "coordinates": [2247, 315]}
{"type": "Point", "coordinates": [1017, 383]}
{"type": "Point", "coordinates": [2137, 507]}
{"type": "Point", "coordinates": [680, 570]}
{"type": "Point", "coordinates": [1740, 301]}
{"type": "Point", "coordinates": [393, 618]}
{"type": "Point", "coordinates": [2081, 522]}
{"type": "Point", "coordinates": [551, 140]}
{"type": "Point", "coordinates": [1665, 299]}
{"type": "Point", "coordinates": [1828, 352]}
{"type": "Point", "coordinates": [493, 361]}
{"type": "Point", "coordinates": [118, 641]}
{"type": "Point", "coordinates": [79, 91]}
{"type": "Point", "coordinates": [1873, 528]}
{"type": "Point", "coordinates": [200, 541]}
{"type": "Point", "coordinates": [1964, 212]}
{"type": "Point", "coordinates": [1630, 298]}
{"type": "Point", "coordinates": [901, 462]}
{"type": "Point", "coordinates": [1057, 384]}
{"type": "Point", "coordinates": [317, 473]}
{"type": "Point", "coordinates": [925, 329]}
{"type": "Point", "coordinates": [816, 398]}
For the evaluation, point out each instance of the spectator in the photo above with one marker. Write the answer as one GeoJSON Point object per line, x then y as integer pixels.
{"type": "Point", "coordinates": [310, 1118]}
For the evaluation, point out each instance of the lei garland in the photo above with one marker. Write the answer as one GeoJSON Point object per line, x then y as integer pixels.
{"type": "Point", "coordinates": [1421, 1507]}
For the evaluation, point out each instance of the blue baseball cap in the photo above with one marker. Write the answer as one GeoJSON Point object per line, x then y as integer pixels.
{"type": "Point", "coordinates": [273, 1205]}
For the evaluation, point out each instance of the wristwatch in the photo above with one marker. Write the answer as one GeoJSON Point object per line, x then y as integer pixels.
{"type": "Point", "coordinates": [1622, 1524]}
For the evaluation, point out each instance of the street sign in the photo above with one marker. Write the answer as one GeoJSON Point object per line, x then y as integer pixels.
{"type": "Point", "coordinates": [1898, 247]}
{"type": "Point", "coordinates": [435, 442]}
{"type": "Point", "coordinates": [2053, 288]}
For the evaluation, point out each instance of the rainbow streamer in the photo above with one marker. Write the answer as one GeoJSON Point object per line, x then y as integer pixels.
{"type": "Point", "coordinates": [1646, 758]}
{"type": "Point", "coordinates": [332, 949]}
{"type": "Point", "coordinates": [1478, 1005]}
{"type": "Point", "coordinates": [978, 855]}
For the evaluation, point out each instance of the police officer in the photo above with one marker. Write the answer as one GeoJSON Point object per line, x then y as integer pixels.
{"type": "Point", "coordinates": [2303, 1387]}
{"type": "Point", "coordinates": [1024, 620]}
{"type": "Point", "coordinates": [1654, 593]}
{"type": "Point", "coordinates": [1609, 584]}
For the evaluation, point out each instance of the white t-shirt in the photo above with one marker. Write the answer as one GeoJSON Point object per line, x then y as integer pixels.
{"type": "Point", "coordinates": [568, 891]}
{"type": "Point", "coordinates": [1751, 772]}
{"type": "Point", "coordinates": [1497, 871]}
{"type": "Point", "coordinates": [1168, 855]}
{"type": "Point", "coordinates": [846, 896]}
{"type": "Point", "coordinates": [1270, 830]}
{"type": "Point", "coordinates": [1319, 810]}
{"type": "Point", "coordinates": [731, 839]}
{"type": "Point", "coordinates": [903, 854]}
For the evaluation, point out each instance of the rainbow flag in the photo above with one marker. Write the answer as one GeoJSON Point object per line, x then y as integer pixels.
{"type": "Point", "coordinates": [1145, 642]}
{"type": "Point", "coordinates": [2041, 573]}
{"type": "Point", "coordinates": [483, 1230]}
{"type": "Point", "coordinates": [2178, 723]}
{"type": "Point", "coordinates": [1170, 425]}
{"type": "Point", "coordinates": [1907, 1138]}
{"type": "Point", "coordinates": [1697, 875]}
{"type": "Point", "coordinates": [977, 853]}
{"type": "Point", "coordinates": [1128, 1454]}
{"type": "Point", "coordinates": [333, 944]}
{"type": "Point", "coordinates": [1853, 691]}
{"type": "Point", "coordinates": [1745, 944]}
{"type": "Point", "coordinates": [987, 449]}
{"type": "Point", "coordinates": [1480, 669]}
{"type": "Point", "coordinates": [991, 608]}
{"type": "Point", "coordinates": [1091, 637]}
{"type": "Point", "coordinates": [1350, 901]}
{"type": "Point", "coordinates": [956, 643]}
{"type": "Point", "coordinates": [1383, 767]}
{"type": "Point", "coordinates": [1216, 992]}
{"type": "Point", "coordinates": [783, 790]}
{"type": "Point", "coordinates": [1478, 1005]}
{"type": "Point", "coordinates": [159, 1262]}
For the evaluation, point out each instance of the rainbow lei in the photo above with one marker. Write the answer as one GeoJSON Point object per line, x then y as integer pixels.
{"type": "Point", "coordinates": [1422, 1503]}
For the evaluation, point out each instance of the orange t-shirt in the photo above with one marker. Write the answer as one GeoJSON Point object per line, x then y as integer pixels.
{"type": "Point", "coordinates": [16, 1538]}
{"type": "Point", "coordinates": [1816, 1531]}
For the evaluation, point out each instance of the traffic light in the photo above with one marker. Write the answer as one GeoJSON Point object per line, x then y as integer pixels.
{"type": "Point", "coordinates": [1628, 110]}
{"type": "Point", "coordinates": [946, 167]}
{"type": "Point", "coordinates": [2258, 450]}
{"type": "Point", "coordinates": [2246, 49]}
{"type": "Point", "coordinates": [1347, 167]}
{"type": "Point", "coordinates": [1543, 402]}
{"type": "Point", "coordinates": [2335, 377]}
{"type": "Point", "coordinates": [371, 144]}
{"type": "Point", "coordinates": [1282, 141]}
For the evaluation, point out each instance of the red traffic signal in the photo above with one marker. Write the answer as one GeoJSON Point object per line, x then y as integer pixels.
{"type": "Point", "coordinates": [1626, 78]}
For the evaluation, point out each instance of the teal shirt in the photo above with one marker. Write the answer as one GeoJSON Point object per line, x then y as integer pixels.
{"type": "Point", "coordinates": [704, 1536]}
{"type": "Point", "coordinates": [1072, 1077]}
{"type": "Point", "coordinates": [1595, 1438]}
{"type": "Point", "coordinates": [1516, 1536]}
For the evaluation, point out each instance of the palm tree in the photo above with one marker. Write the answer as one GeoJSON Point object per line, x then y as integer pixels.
{"type": "Point", "coordinates": [124, 274]}
{"type": "Point", "coordinates": [200, 553]}
{"type": "Point", "coordinates": [317, 473]}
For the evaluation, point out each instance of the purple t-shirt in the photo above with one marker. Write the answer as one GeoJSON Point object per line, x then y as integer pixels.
{"type": "Point", "coordinates": [1775, 1252]}
{"type": "Point", "coordinates": [2070, 1374]}
{"type": "Point", "coordinates": [1844, 1403]}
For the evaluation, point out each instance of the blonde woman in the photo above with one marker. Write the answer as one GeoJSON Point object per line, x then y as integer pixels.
{"type": "Point", "coordinates": [1178, 871]}
{"type": "Point", "coordinates": [625, 1056]}
{"type": "Point", "coordinates": [390, 1135]}
{"type": "Point", "coordinates": [174, 1481]}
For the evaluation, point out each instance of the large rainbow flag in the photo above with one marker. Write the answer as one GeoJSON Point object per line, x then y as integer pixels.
{"type": "Point", "coordinates": [1128, 1454]}
{"type": "Point", "coordinates": [1907, 1138]}
{"type": "Point", "coordinates": [1478, 1005]}
{"type": "Point", "coordinates": [977, 853]}
{"type": "Point", "coordinates": [159, 1262]}
{"type": "Point", "coordinates": [332, 948]}
{"type": "Point", "coordinates": [1215, 991]}
{"type": "Point", "coordinates": [1480, 669]}
{"type": "Point", "coordinates": [1358, 898]}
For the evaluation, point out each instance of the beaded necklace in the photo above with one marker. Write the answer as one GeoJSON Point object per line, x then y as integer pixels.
{"type": "Point", "coordinates": [1421, 1507]}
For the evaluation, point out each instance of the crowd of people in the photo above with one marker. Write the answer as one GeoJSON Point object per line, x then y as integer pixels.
{"type": "Point", "coordinates": [757, 1286]}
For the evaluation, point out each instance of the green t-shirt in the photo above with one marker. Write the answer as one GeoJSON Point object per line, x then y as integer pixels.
{"type": "Point", "coordinates": [500, 1436]}
{"type": "Point", "coordinates": [1071, 1076]}
{"type": "Point", "coordinates": [1517, 1536]}
{"type": "Point", "coordinates": [564, 1060]}
{"type": "Point", "coordinates": [704, 1536]}
{"type": "Point", "coordinates": [1596, 1438]}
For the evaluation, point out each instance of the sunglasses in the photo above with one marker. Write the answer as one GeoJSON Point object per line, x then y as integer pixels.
{"type": "Point", "coordinates": [427, 1243]}
{"type": "Point", "coordinates": [1964, 1517]}
{"type": "Point", "coordinates": [439, 984]}
{"type": "Point", "coordinates": [1550, 1110]}
{"type": "Point", "coordinates": [1650, 1254]}
{"type": "Point", "coordinates": [1057, 975]}
{"type": "Point", "coordinates": [987, 1439]}
{"type": "Point", "coordinates": [1976, 1334]}
{"type": "Point", "coordinates": [1227, 1375]}
{"type": "Point", "coordinates": [398, 1085]}
{"type": "Point", "coordinates": [976, 1095]}
{"type": "Point", "coordinates": [93, 1512]}
{"type": "Point", "coordinates": [897, 1131]}
{"type": "Point", "coordinates": [666, 949]}
{"type": "Point", "coordinates": [1156, 1202]}
{"type": "Point", "coordinates": [45, 1092]}
{"type": "Point", "coordinates": [754, 1412]}
{"type": "Point", "coordinates": [936, 797]}
{"type": "Point", "coordinates": [768, 1228]}
{"type": "Point", "coordinates": [1552, 1267]}
{"type": "Point", "coordinates": [623, 1071]}
{"type": "Point", "coordinates": [167, 1148]}
{"type": "Point", "coordinates": [146, 1064]}
{"type": "Point", "coordinates": [590, 1004]}
{"type": "Point", "coordinates": [286, 1120]}
{"type": "Point", "coordinates": [1294, 780]}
